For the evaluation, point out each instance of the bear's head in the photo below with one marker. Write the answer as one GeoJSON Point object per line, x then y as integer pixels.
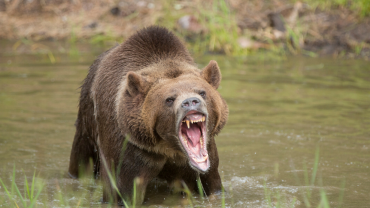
{"type": "Point", "coordinates": [174, 105]}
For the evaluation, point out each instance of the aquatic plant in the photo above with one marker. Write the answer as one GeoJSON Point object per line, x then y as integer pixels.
{"type": "Point", "coordinates": [37, 48]}
{"type": "Point", "coordinates": [273, 198]}
{"type": "Point", "coordinates": [31, 191]}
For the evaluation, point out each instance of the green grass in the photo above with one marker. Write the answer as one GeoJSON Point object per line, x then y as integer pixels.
{"type": "Point", "coordinates": [37, 48]}
{"type": "Point", "coordinates": [218, 21]}
{"type": "Point", "coordinates": [222, 28]}
{"type": "Point", "coordinates": [277, 199]}
{"type": "Point", "coordinates": [361, 7]}
{"type": "Point", "coordinates": [31, 191]}
{"type": "Point", "coordinates": [274, 198]}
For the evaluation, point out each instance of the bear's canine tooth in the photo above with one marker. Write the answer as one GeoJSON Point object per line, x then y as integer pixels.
{"type": "Point", "coordinates": [205, 157]}
{"type": "Point", "coordinates": [188, 124]}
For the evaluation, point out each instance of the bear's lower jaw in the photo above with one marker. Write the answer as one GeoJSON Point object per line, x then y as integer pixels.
{"type": "Point", "coordinates": [192, 134]}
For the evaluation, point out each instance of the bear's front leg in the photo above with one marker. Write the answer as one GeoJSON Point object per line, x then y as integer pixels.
{"type": "Point", "coordinates": [136, 165]}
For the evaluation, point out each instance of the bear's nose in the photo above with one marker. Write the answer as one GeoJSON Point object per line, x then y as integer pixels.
{"type": "Point", "coordinates": [190, 103]}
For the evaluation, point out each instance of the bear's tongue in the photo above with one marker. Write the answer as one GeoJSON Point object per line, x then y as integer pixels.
{"type": "Point", "coordinates": [193, 134]}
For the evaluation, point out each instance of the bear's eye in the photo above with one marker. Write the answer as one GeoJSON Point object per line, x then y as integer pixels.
{"type": "Point", "coordinates": [169, 101]}
{"type": "Point", "coordinates": [203, 94]}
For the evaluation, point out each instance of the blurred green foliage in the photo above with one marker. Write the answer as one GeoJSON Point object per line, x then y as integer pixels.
{"type": "Point", "coordinates": [360, 6]}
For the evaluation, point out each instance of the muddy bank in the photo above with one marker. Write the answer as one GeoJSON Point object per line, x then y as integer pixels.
{"type": "Point", "coordinates": [276, 25]}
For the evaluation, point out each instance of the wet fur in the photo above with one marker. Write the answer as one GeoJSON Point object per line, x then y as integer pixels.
{"type": "Point", "coordinates": [122, 94]}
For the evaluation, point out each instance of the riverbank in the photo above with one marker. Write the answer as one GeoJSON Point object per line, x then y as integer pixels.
{"type": "Point", "coordinates": [234, 27]}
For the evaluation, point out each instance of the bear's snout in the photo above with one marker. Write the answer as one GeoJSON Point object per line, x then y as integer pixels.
{"type": "Point", "coordinates": [190, 103]}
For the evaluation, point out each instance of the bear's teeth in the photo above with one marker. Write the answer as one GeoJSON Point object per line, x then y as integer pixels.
{"type": "Point", "coordinates": [188, 124]}
{"type": "Point", "coordinates": [201, 160]}
{"type": "Point", "coordinates": [196, 121]}
{"type": "Point", "coordinates": [201, 142]}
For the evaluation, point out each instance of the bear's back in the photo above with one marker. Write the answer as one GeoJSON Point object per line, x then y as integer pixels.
{"type": "Point", "coordinates": [148, 46]}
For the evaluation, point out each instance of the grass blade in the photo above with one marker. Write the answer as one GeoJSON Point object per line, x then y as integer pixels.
{"type": "Point", "coordinates": [6, 190]}
{"type": "Point", "coordinates": [293, 202]}
{"type": "Point", "coordinates": [20, 195]}
{"type": "Point", "coordinates": [13, 179]}
{"type": "Point", "coordinates": [33, 184]}
{"type": "Point", "coordinates": [14, 185]}
{"type": "Point", "coordinates": [306, 180]}
{"type": "Point", "coordinates": [223, 204]}
{"type": "Point", "coordinates": [200, 187]}
{"type": "Point", "coordinates": [134, 194]}
{"type": "Point", "coordinates": [26, 187]}
{"type": "Point", "coordinates": [342, 193]}
{"type": "Point", "coordinates": [316, 164]}
{"type": "Point", "coordinates": [267, 194]}
{"type": "Point", "coordinates": [324, 203]}
{"type": "Point", "coordinates": [305, 199]}
{"type": "Point", "coordinates": [188, 193]}
{"type": "Point", "coordinates": [33, 201]}
{"type": "Point", "coordinates": [124, 145]}
{"type": "Point", "coordinates": [112, 181]}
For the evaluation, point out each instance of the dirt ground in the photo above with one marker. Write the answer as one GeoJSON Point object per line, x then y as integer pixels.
{"type": "Point", "coordinates": [297, 26]}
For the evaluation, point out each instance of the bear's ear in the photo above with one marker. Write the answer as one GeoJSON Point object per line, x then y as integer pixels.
{"type": "Point", "coordinates": [212, 74]}
{"type": "Point", "coordinates": [135, 83]}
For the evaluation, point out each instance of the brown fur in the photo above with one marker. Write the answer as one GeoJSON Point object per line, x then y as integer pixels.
{"type": "Point", "coordinates": [124, 93]}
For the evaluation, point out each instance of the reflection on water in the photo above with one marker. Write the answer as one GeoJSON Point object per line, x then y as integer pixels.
{"type": "Point", "coordinates": [280, 112]}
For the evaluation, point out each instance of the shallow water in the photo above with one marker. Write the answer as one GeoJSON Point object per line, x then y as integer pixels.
{"type": "Point", "coordinates": [280, 114]}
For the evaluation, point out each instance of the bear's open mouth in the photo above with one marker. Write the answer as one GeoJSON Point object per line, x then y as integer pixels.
{"type": "Point", "coordinates": [193, 137]}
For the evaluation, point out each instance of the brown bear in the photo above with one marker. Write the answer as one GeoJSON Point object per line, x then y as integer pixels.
{"type": "Point", "coordinates": [149, 92]}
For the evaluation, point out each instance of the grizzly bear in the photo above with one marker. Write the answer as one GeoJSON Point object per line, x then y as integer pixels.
{"type": "Point", "coordinates": [146, 111]}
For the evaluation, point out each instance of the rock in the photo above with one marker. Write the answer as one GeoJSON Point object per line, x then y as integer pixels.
{"type": "Point", "coordinates": [92, 25]}
{"type": "Point", "coordinates": [277, 22]}
{"type": "Point", "coordinates": [247, 43]}
{"type": "Point", "coordinates": [115, 11]}
{"type": "Point", "coordinates": [123, 10]}
{"type": "Point", "coordinates": [2, 6]}
{"type": "Point", "coordinates": [278, 25]}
